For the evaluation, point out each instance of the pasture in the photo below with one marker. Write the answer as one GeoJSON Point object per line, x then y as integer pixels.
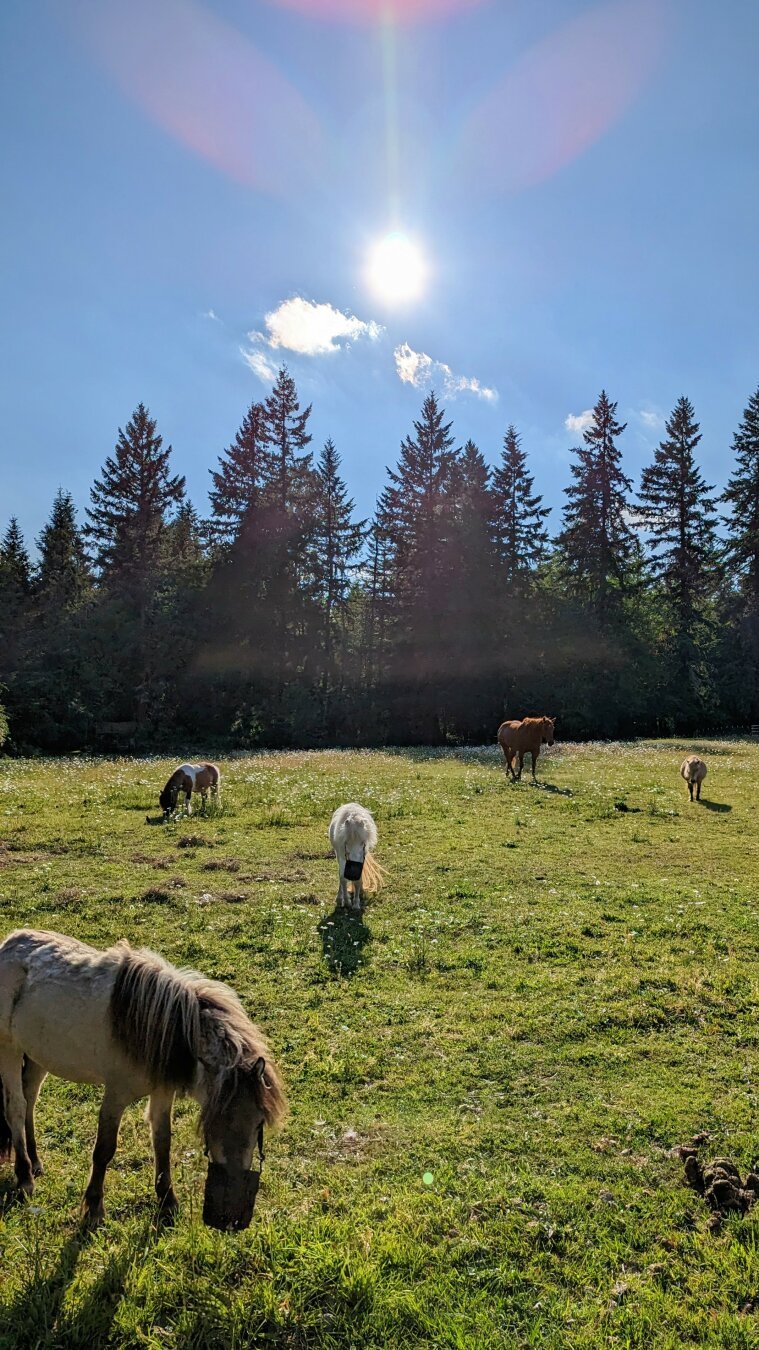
{"type": "Point", "coordinates": [487, 1072]}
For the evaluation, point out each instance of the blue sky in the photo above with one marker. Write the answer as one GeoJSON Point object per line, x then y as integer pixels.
{"type": "Point", "coordinates": [582, 179]}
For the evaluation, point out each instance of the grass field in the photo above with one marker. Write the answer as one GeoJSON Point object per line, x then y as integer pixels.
{"type": "Point", "coordinates": [487, 1074]}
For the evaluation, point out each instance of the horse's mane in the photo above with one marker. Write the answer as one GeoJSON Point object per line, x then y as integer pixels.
{"type": "Point", "coordinates": [158, 1014]}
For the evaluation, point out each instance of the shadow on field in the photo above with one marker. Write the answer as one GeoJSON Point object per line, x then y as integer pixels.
{"type": "Point", "coordinates": [36, 1315]}
{"type": "Point", "coordinates": [721, 807]}
{"type": "Point", "coordinates": [557, 791]}
{"type": "Point", "coordinates": [344, 936]}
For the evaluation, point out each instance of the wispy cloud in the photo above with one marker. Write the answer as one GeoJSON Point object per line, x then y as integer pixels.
{"type": "Point", "coordinates": [579, 422]}
{"type": "Point", "coordinates": [652, 420]}
{"type": "Point", "coordinates": [261, 364]}
{"type": "Point", "coordinates": [420, 370]}
{"type": "Point", "coordinates": [210, 314]}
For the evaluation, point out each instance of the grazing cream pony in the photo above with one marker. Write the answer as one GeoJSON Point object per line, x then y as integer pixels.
{"type": "Point", "coordinates": [129, 1020]}
{"type": "Point", "coordinates": [693, 770]}
{"type": "Point", "coordinates": [525, 738]}
{"type": "Point", "coordinates": [189, 778]}
{"type": "Point", "coordinates": [353, 836]}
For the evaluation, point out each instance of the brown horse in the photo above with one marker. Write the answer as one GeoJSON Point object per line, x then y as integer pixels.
{"type": "Point", "coordinates": [525, 738]}
{"type": "Point", "coordinates": [189, 778]}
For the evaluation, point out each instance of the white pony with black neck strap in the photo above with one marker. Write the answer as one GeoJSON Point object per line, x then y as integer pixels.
{"type": "Point", "coordinates": [353, 836]}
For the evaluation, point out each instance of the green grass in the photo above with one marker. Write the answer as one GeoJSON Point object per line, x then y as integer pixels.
{"type": "Point", "coordinates": [549, 995]}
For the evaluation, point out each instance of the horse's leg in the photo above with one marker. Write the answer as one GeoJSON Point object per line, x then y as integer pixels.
{"type": "Point", "coordinates": [690, 789]}
{"type": "Point", "coordinates": [342, 888]}
{"type": "Point", "coordinates": [159, 1116]}
{"type": "Point", "coordinates": [112, 1108]}
{"type": "Point", "coordinates": [14, 1106]}
{"type": "Point", "coordinates": [521, 763]}
{"type": "Point", "coordinates": [32, 1079]}
{"type": "Point", "coordinates": [535, 754]}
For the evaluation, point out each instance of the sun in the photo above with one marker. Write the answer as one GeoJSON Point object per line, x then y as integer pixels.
{"type": "Point", "coordinates": [397, 271]}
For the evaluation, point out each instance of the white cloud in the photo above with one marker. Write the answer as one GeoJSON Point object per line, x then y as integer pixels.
{"type": "Point", "coordinates": [209, 314]}
{"type": "Point", "coordinates": [579, 422]}
{"type": "Point", "coordinates": [302, 326]}
{"type": "Point", "coordinates": [261, 364]}
{"type": "Point", "coordinates": [652, 421]}
{"type": "Point", "coordinates": [419, 369]}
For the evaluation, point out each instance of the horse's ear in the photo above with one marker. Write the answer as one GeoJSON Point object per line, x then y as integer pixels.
{"type": "Point", "coordinates": [259, 1068]}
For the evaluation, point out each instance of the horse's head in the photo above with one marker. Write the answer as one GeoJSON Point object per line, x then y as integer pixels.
{"type": "Point", "coordinates": [549, 726]}
{"type": "Point", "coordinates": [168, 798]}
{"type": "Point", "coordinates": [237, 1107]}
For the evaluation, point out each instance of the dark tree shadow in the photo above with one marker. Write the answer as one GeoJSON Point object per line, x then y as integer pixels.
{"type": "Point", "coordinates": [344, 936]}
{"type": "Point", "coordinates": [721, 807]}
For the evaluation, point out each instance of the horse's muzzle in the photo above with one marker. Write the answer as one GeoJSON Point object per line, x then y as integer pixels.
{"type": "Point", "coordinates": [352, 870]}
{"type": "Point", "coordinates": [229, 1198]}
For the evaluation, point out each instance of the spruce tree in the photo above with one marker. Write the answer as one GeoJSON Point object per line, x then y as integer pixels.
{"type": "Point", "coordinates": [131, 506]}
{"type": "Point", "coordinates": [63, 579]}
{"type": "Point", "coordinates": [519, 515]}
{"type": "Point", "coordinates": [742, 497]}
{"type": "Point", "coordinates": [419, 508]}
{"type": "Point", "coordinates": [335, 546]}
{"type": "Point", "coordinates": [474, 623]}
{"type": "Point", "coordinates": [678, 510]}
{"type": "Point", "coordinates": [740, 646]}
{"type": "Point", "coordinates": [242, 478]}
{"type": "Point", "coordinates": [599, 552]}
{"type": "Point", "coordinates": [15, 623]}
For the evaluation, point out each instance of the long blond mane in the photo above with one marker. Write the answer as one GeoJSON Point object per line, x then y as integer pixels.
{"type": "Point", "coordinates": [161, 1016]}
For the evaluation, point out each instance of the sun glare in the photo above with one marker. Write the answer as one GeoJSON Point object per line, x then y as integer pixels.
{"type": "Point", "coordinates": [397, 271]}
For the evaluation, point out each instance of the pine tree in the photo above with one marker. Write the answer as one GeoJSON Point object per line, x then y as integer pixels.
{"type": "Point", "coordinates": [244, 473]}
{"type": "Point", "coordinates": [472, 639]}
{"type": "Point", "coordinates": [419, 510]}
{"type": "Point", "coordinates": [288, 436]}
{"type": "Point", "coordinates": [678, 511]}
{"type": "Point", "coordinates": [520, 515]}
{"type": "Point", "coordinates": [15, 620]}
{"type": "Point", "coordinates": [742, 497]}
{"type": "Point", "coordinates": [740, 655]}
{"type": "Point", "coordinates": [63, 580]}
{"type": "Point", "coordinates": [336, 545]}
{"type": "Point", "coordinates": [127, 524]}
{"type": "Point", "coordinates": [599, 552]}
{"type": "Point", "coordinates": [130, 504]}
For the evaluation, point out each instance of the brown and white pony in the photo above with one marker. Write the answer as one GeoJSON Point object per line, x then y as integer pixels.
{"type": "Point", "coordinates": [189, 778]}
{"type": "Point", "coordinates": [525, 738]}
{"type": "Point", "coordinates": [142, 1028]}
{"type": "Point", "coordinates": [693, 770]}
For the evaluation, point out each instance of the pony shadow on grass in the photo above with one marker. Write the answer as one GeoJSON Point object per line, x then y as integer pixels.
{"type": "Point", "coordinates": [720, 807]}
{"type": "Point", "coordinates": [557, 791]}
{"type": "Point", "coordinates": [36, 1315]}
{"type": "Point", "coordinates": [344, 936]}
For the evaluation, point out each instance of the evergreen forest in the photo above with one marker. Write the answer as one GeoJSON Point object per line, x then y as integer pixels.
{"type": "Point", "coordinates": [284, 620]}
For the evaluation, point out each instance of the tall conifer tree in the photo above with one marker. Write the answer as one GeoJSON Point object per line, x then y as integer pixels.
{"type": "Point", "coordinates": [678, 510]}
{"type": "Point", "coordinates": [599, 552]}
{"type": "Point", "coordinates": [336, 544]}
{"type": "Point", "coordinates": [519, 514]}
{"type": "Point", "coordinates": [63, 579]}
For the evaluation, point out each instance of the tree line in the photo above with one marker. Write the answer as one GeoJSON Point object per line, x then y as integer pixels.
{"type": "Point", "coordinates": [282, 619]}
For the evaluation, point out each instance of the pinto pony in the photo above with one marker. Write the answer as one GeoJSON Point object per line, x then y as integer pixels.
{"type": "Point", "coordinates": [525, 738]}
{"type": "Point", "coordinates": [142, 1028]}
{"type": "Point", "coordinates": [189, 778]}
{"type": "Point", "coordinates": [693, 770]}
{"type": "Point", "coordinates": [353, 836]}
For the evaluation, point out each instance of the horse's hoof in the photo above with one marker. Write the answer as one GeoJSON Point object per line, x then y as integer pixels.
{"type": "Point", "coordinates": [37, 1169]}
{"type": "Point", "coordinates": [92, 1218]}
{"type": "Point", "coordinates": [168, 1203]}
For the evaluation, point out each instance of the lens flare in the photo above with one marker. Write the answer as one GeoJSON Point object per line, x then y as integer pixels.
{"type": "Point", "coordinates": [562, 96]}
{"type": "Point", "coordinates": [396, 271]}
{"type": "Point", "coordinates": [204, 83]}
{"type": "Point", "coordinates": [373, 11]}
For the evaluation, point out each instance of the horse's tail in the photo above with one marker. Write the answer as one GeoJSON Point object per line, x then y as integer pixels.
{"type": "Point", "coordinates": [373, 875]}
{"type": "Point", "coordinates": [6, 1138]}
